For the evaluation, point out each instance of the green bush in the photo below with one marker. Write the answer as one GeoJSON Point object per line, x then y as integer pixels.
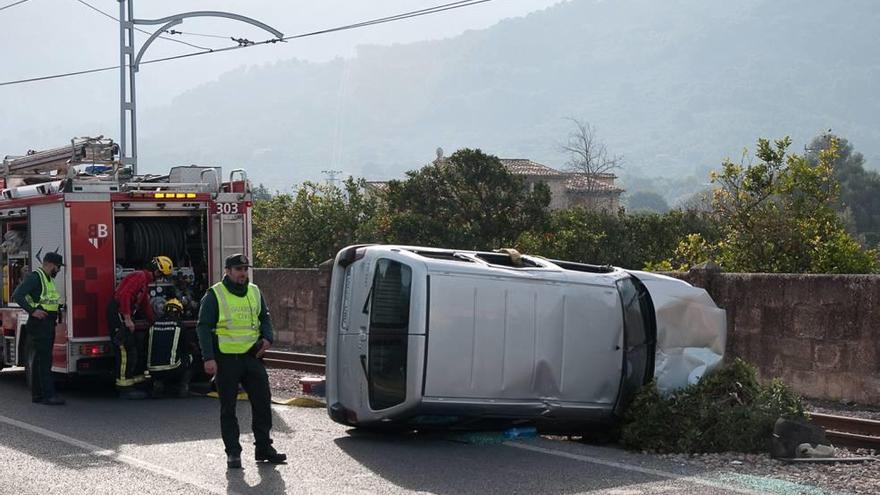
{"type": "Point", "coordinates": [728, 410]}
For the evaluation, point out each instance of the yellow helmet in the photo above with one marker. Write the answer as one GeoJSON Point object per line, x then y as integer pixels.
{"type": "Point", "coordinates": [173, 303]}
{"type": "Point", "coordinates": [162, 264]}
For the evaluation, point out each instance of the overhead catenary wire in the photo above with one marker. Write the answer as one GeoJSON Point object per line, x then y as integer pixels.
{"type": "Point", "coordinates": [381, 20]}
{"type": "Point", "coordinates": [13, 4]}
{"type": "Point", "coordinates": [105, 14]}
{"type": "Point", "coordinates": [187, 33]}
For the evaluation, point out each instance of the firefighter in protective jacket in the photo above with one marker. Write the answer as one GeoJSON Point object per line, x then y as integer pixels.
{"type": "Point", "coordinates": [38, 296]}
{"type": "Point", "coordinates": [133, 294]}
{"type": "Point", "coordinates": [168, 356]}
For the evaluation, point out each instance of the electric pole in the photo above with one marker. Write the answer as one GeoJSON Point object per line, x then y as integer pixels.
{"type": "Point", "coordinates": [331, 176]}
{"type": "Point", "coordinates": [129, 65]}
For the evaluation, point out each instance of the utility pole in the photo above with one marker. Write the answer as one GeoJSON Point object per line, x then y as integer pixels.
{"type": "Point", "coordinates": [331, 176]}
{"type": "Point", "coordinates": [129, 65]}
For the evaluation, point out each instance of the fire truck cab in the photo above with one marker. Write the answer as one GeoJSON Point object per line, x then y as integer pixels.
{"type": "Point", "coordinates": [80, 202]}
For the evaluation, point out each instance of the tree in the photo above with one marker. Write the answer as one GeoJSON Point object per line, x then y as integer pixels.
{"type": "Point", "coordinates": [598, 237]}
{"type": "Point", "coordinates": [589, 157]}
{"type": "Point", "coordinates": [859, 200]}
{"type": "Point", "coordinates": [778, 216]}
{"type": "Point", "coordinates": [307, 228]}
{"type": "Point", "coordinates": [468, 200]}
{"type": "Point", "coordinates": [646, 201]}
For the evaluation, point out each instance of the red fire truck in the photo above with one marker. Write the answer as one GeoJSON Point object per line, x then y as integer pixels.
{"type": "Point", "coordinates": [78, 201]}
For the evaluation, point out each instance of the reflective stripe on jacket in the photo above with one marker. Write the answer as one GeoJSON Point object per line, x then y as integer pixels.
{"type": "Point", "coordinates": [238, 321]}
{"type": "Point", "coordinates": [163, 349]}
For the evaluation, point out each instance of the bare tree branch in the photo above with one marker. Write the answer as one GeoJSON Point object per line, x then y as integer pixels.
{"type": "Point", "coordinates": [589, 159]}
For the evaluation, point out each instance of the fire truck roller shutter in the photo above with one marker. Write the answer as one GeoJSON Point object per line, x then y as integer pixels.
{"type": "Point", "coordinates": [146, 238]}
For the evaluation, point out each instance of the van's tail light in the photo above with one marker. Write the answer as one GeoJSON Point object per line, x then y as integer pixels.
{"type": "Point", "coordinates": [92, 349]}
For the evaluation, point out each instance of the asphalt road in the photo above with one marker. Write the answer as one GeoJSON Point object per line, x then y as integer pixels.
{"type": "Point", "coordinates": [99, 444]}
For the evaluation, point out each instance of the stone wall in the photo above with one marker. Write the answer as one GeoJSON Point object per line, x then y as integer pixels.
{"type": "Point", "coordinates": [816, 332]}
{"type": "Point", "coordinates": [297, 300]}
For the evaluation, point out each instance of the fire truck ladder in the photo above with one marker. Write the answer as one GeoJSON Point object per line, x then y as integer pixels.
{"type": "Point", "coordinates": [81, 150]}
{"type": "Point", "coordinates": [231, 235]}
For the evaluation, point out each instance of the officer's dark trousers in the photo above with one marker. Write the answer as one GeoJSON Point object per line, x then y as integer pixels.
{"type": "Point", "coordinates": [233, 369]}
{"type": "Point", "coordinates": [40, 335]}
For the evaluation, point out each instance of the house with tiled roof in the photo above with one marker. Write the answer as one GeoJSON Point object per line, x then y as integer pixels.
{"type": "Point", "coordinates": [567, 189]}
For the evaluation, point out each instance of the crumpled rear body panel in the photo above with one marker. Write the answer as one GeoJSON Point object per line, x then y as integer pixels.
{"type": "Point", "coordinates": [691, 331]}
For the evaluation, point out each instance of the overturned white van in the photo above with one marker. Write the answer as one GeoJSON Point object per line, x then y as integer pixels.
{"type": "Point", "coordinates": [425, 337]}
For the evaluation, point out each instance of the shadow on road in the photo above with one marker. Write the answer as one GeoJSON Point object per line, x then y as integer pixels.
{"type": "Point", "coordinates": [94, 414]}
{"type": "Point", "coordinates": [270, 481]}
{"type": "Point", "coordinates": [430, 463]}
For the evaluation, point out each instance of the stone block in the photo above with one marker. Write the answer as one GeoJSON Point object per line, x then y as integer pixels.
{"type": "Point", "coordinates": [869, 392]}
{"type": "Point", "coordinates": [305, 299]}
{"type": "Point", "coordinates": [828, 356]}
{"type": "Point", "coordinates": [283, 337]}
{"type": "Point", "coordinates": [750, 320]}
{"type": "Point", "coordinates": [311, 323]}
{"type": "Point", "coordinates": [808, 321]}
{"type": "Point", "coordinates": [842, 386]}
{"type": "Point", "coordinates": [808, 383]}
{"type": "Point", "coordinates": [862, 357]}
{"type": "Point", "coordinates": [774, 321]}
{"type": "Point", "coordinates": [796, 353]}
{"type": "Point", "coordinates": [839, 323]}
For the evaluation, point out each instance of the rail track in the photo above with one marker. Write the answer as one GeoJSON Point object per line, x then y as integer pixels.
{"type": "Point", "coordinates": [311, 363]}
{"type": "Point", "coordinates": [843, 431]}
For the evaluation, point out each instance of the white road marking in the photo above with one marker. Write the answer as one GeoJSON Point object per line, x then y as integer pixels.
{"type": "Point", "coordinates": [112, 454]}
{"type": "Point", "coordinates": [631, 467]}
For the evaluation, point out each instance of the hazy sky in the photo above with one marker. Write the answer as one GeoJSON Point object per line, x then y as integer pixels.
{"type": "Point", "coordinates": [42, 37]}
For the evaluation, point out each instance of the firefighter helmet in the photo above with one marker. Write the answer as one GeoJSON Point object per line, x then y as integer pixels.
{"type": "Point", "coordinates": [173, 305]}
{"type": "Point", "coordinates": [162, 264]}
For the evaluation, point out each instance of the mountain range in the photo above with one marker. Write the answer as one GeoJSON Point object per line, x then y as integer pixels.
{"type": "Point", "coordinates": [674, 87]}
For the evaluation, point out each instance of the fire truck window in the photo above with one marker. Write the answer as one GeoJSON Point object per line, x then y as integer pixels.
{"type": "Point", "coordinates": [16, 256]}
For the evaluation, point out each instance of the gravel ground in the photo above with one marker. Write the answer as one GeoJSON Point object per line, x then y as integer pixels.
{"type": "Point", "coordinates": [843, 409]}
{"type": "Point", "coordinates": [285, 383]}
{"type": "Point", "coordinates": [857, 478]}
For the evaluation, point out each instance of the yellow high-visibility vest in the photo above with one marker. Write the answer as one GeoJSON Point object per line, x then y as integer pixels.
{"type": "Point", "coordinates": [50, 299]}
{"type": "Point", "coordinates": [238, 322]}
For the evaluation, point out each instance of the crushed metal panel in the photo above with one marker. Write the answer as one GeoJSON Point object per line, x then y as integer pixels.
{"type": "Point", "coordinates": [691, 331]}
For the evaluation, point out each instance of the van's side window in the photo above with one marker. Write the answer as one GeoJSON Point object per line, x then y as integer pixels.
{"type": "Point", "coordinates": [389, 326]}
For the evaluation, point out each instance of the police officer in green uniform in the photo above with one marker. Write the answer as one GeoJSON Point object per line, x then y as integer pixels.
{"type": "Point", "coordinates": [234, 332]}
{"type": "Point", "coordinates": [38, 296]}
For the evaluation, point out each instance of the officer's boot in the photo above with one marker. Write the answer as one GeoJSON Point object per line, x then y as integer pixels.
{"type": "Point", "coordinates": [270, 455]}
{"type": "Point", "coordinates": [158, 389]}
{"type": "Point", "coordinates": [183, 390]}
